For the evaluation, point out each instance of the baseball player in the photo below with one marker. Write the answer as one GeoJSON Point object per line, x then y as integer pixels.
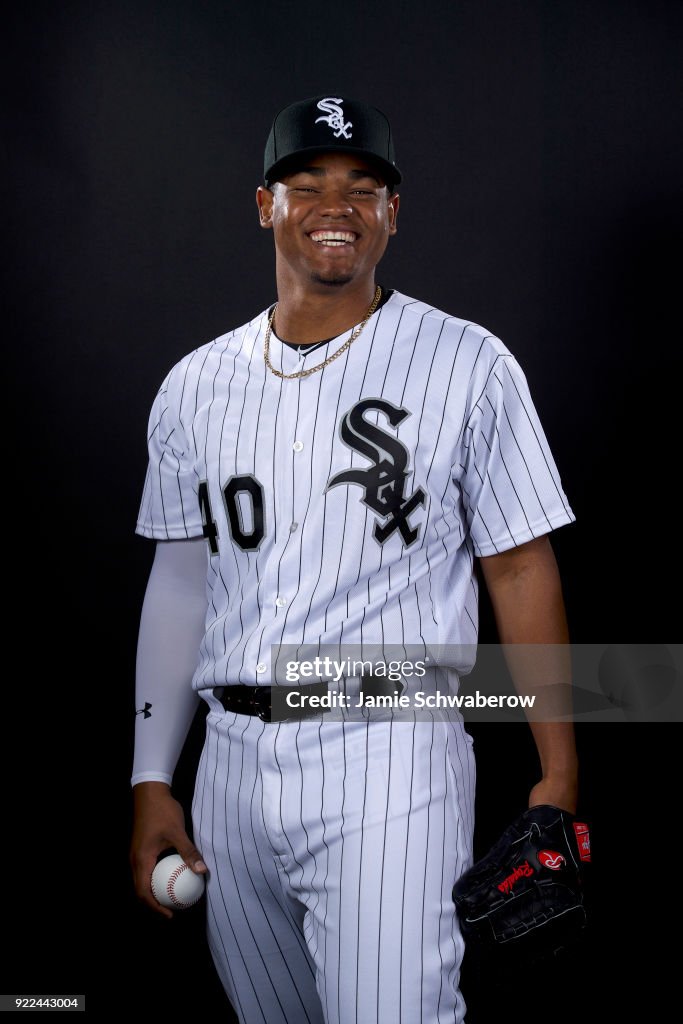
{"type": "Point", "coordinates": [324, 478]}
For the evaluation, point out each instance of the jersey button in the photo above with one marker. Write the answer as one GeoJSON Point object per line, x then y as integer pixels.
{"type": "Point", "coordinates": [280, 601]}
{"type": "Point", "coordinates": [261, 667]}
{"type": "Point", "coordinates": [298, 446]}
{"type": "Point", "coordinates": [293, 527]}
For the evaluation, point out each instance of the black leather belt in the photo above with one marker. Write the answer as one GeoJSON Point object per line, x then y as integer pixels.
{"type": "Point", "coordinates": [270, 703]}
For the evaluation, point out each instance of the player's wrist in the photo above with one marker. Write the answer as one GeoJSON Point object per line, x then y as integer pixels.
{"type": "Point", "coordinates": [559, 791]}
{"type": "Point", "coordinates": [145, 792]}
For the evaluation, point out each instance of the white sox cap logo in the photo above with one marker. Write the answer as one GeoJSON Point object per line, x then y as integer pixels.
{"type": "Point", "coordinates": [334, 116]}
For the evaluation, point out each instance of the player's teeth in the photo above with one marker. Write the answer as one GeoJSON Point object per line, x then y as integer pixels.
{"type": "Point", "coordinates": [333, 238]}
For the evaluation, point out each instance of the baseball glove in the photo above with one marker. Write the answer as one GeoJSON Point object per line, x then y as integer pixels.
{"type": "Point", "coordinates": [527, 891]}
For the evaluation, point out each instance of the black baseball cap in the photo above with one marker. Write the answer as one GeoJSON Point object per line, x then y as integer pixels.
{"type": "Point", "coordinates": [324, 123]}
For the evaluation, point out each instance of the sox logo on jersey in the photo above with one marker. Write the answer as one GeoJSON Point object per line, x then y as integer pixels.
{"type": "Point", "coordinates": [383, 484]}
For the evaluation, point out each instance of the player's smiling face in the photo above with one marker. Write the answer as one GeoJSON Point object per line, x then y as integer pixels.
{"type": "Point", "coordinates": [331, 218]}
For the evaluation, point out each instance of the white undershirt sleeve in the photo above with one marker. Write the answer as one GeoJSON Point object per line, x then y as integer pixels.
{"type": "Point", "coordinates": [171, 631]}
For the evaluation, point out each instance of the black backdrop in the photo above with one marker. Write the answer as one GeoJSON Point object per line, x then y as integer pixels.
{"type": "Point", "coordinates": [540, 146]}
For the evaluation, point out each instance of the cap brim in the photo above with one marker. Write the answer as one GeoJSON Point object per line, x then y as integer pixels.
{"type": "Point", "coordinates": [281, 168]}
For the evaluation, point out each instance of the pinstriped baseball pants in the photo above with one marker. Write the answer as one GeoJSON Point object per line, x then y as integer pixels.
{"type": "Point", "coordinates": [332, 849]}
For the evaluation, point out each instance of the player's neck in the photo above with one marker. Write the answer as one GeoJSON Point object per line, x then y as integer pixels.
{"type": "Point", "coordinates": [306, 315]}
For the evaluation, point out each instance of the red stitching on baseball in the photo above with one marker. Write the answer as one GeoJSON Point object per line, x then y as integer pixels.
{"type": "Point", "coordinates": [171, 882]}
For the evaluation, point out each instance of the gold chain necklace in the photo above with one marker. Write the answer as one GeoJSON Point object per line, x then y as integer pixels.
{"type": "Point", "coordinates": [313, 369]}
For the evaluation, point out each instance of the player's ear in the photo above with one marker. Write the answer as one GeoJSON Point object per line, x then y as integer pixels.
{"type": "Point", "coordinates": [393, 202]}
{"type": "Point", "coordinates": [264, 201]}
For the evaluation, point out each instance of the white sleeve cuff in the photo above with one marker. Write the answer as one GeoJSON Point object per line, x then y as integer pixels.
{"type": "Point", "coordinates": [151, 777]}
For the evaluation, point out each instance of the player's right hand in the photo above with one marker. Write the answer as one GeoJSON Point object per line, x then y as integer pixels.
{"type": "Point", "coordinates": [158, 824]}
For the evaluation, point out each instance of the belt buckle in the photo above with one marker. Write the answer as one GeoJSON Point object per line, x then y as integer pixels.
{"type": "Point", "coordinates": [263, 709]}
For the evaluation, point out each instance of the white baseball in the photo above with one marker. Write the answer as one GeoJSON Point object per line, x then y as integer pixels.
{"type": "Point", "coordinates": [174, 884]}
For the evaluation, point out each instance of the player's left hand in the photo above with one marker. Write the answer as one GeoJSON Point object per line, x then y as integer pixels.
{"type": "Point", "coordinates": [526, 894]}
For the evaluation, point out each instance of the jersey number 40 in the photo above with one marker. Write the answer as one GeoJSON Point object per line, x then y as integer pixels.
{"type": "Point", "coordinates": [252, 492]}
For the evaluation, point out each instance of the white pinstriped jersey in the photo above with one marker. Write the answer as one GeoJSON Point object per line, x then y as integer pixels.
{"type": "Point", "coordinates": [347, 506]}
